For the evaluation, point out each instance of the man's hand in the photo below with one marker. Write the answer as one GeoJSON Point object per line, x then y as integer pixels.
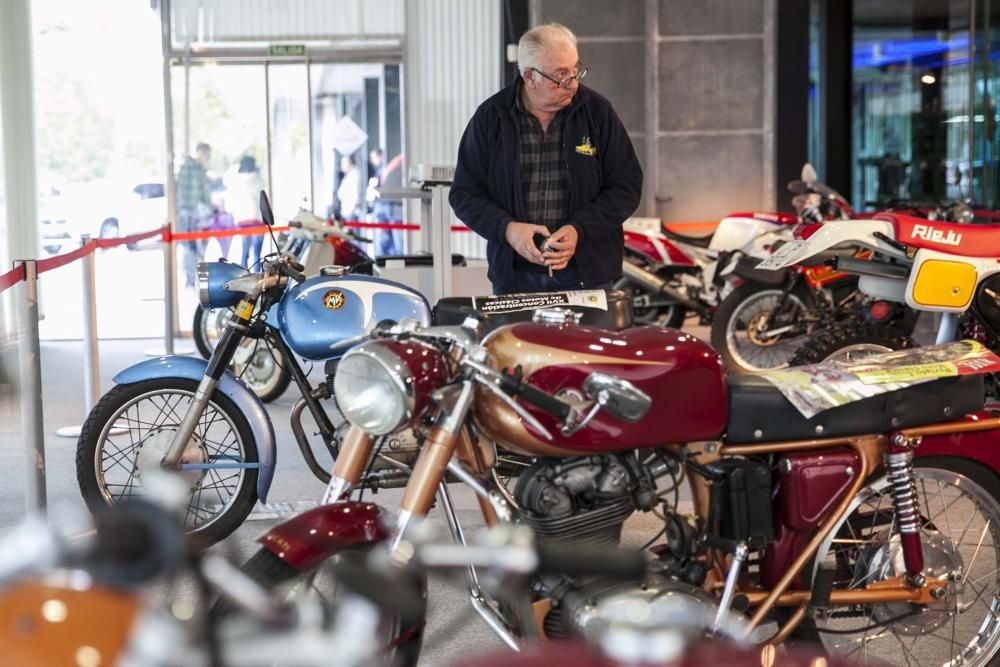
{"type": "Point", "coordinates": [560, 247]}
{"type": "Point", "coordinates": [521, 237]}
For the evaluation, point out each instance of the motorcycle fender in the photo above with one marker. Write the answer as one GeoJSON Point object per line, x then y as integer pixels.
{"type": "Point", "coordinates": [983, 447]}
{"type": "Point", "coordinates": [307, 539]}
{"type": "Point", "coordinates": [246, 401]}
{"type": "Point", "coordinates": [746, 268]}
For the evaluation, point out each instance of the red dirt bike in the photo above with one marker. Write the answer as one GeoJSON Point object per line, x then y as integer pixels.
{"type": "Point", "coordinates": [874, 526]}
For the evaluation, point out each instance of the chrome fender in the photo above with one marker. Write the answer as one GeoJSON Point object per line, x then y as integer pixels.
{"type": "Point", "coordinates": [309, 538]}
{"type": "Point", "coordinates": [189, 368]}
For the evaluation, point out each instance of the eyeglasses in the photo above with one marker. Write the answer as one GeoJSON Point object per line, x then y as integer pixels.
{"type": "Point", "coordinates": [581, 71]}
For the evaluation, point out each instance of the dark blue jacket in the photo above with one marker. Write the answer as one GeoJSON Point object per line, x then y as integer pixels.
{"type": "Point", "coordinates": [605, 182]}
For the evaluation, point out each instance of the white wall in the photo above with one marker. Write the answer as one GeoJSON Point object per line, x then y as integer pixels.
{"type": "Point", "coordinates": [452, 64]}
{"type": "Point", "coordinates": [269, 20]}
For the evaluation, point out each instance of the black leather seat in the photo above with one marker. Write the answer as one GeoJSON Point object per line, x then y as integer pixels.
{"type": "Point", "coordinates": [700, 241]}
{"type": "Point", "coordinates": [419, 260]}
{"type": "Point", "coordinates": [454, 310]}
{"type": "Point", "coordinates": [758, 412]}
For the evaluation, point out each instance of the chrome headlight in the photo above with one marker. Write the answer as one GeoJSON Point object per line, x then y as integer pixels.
{"type": "Point", "coordinates": [374, 388]}
{"type": "Point", "coordinates": [212, 279]}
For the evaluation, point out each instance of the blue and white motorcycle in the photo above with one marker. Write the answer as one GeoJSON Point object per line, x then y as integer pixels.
{"type": "Point", "coordinates": [194, 416]}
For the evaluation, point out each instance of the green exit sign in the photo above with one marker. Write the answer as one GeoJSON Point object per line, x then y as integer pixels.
{"type": "Point", "coordinates": [287, 50]}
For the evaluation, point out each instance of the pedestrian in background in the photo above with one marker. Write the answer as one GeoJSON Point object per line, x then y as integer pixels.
{"type": "Point", "coordinates": [243, 200]}
{"type": "Point", "coordinates": [193, 203]}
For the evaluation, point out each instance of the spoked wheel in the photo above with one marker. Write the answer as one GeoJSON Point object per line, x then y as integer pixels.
{"type": "Point", "coordinates": [129, 431]}
{"type": "Point", "coordinates": [262, 368]}
{"type": "Point", "coordinates": [849, 344]}
{"type": "Point", "coordinates": [753, 330]}
{"type": "Point", "coordinates": [396, 640]}
{"type": "Point", "coordinates": [207, 328]}
{"type": "Point", "coordinates": [653, 309]}
{"type": "Point", "coordinates": [960, 534]}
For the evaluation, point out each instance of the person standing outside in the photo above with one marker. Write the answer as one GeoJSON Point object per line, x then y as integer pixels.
{"type": "Point", "coordinates": [547, 158]}
{"type": "Point", "coordinates": [387, 241]}
{"type": "Point", "coordinates": [349, 190]}
{"type": "Point", "coordinates": [243, 200]}
{"type": "Point", "coordinates": [193, 199]}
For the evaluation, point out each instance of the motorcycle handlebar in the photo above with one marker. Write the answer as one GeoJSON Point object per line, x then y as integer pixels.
{"type": "Point", "coordinates": [547, 402]}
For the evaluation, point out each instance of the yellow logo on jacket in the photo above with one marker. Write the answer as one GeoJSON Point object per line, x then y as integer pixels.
{"type": "Point", "coordinates": [587, 148]}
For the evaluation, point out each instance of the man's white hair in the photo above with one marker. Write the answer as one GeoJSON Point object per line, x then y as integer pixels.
{"type": "Point", "coordinates": [538, 40]}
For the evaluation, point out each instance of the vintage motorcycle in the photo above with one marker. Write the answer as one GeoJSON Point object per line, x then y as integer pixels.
{"type": "Point", "coordinates": [931, 266]}
{"type": "Point", "coordinates": [871, 526]}
{"type": "Point", "coordinates": [672, 274]}
{"type": "Point", "coordinates": [313, 242]}
{"type": "Point", "coordinates": [196, 417]}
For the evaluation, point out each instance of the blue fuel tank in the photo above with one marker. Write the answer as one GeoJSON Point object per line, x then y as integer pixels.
{"type": "Point", "coordinates": [324, 316]}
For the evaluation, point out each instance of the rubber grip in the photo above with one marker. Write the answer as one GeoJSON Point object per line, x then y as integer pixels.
{"type": "Point", "coordinates": [587, 560]}
{"type": "Point", "coordinates": [536, 397]}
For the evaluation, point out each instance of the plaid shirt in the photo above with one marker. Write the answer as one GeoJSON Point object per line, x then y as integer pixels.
{"type": "Point", "coordinates": [544, 175]}
{"type": "Point", "coordinates": [192, 185]}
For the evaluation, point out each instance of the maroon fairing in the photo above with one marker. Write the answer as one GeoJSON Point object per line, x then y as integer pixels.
{"type": "Point", "coordinates": [701, 654]}
{"type": "Point", "coordinates": [309, 538]}
{"type": "Point", "coordinates": [979, 446]}
{"type": "Point", "coordinates": [346, 253]}
{"type": "Point", "coordinates": [682, 375]}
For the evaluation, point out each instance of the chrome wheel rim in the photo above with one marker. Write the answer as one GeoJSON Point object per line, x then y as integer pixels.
{"type": "Point", "coordinates": [258, 365]}
{"type": "Point", "coordinates": [747, 348]}
{"type": "Point", "coordinates": [148, 419]}
{"type": "Point", "coordinates": [965, 628]}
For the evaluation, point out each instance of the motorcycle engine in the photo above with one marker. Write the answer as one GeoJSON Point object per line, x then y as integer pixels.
{"type": "Point", "coordinates": [583, 499]}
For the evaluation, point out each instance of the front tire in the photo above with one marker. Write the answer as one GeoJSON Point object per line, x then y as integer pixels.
{"type": "Point", "coordinates": [128, 432]}
{"type": "Point", "coordinates": [851, 344]}
{"type": "Point", "coordinates": [959, 504]}
{"type": "Point", "coordinates": [402, 641]}
{"type": "Point", "coordinates": [737, 327]}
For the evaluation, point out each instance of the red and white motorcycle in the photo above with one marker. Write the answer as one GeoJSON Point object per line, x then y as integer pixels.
{"type": "Point", "coordinates": [671, 274]}
{"type": "Point", "coordinates": [933, 266]}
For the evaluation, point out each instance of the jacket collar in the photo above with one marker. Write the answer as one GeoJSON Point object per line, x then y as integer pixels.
{"type": "Point", "coordinates": [506, 99]}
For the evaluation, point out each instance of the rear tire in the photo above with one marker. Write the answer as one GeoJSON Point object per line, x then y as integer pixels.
{"type": "Point", "coordinates": [650, 309]}
{"type": "Point", "coordinates": [851, 344]}
{"type": "Point", "coordinates": [952, 494]}
{"type": "Point", "coordinates": [731, 336]}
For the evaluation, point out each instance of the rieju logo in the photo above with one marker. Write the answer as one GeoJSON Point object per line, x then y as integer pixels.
{"type": "Point", "coordinates": [928, 233]}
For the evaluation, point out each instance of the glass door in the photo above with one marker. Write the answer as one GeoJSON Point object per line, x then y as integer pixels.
{"type": "Point", "coordinates": [985, 138]}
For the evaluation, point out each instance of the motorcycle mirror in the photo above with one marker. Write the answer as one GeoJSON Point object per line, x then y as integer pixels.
{"type": "Point", "coordinates": [266, 214]}
{"type": "Point", "coordinates": [798, 187]}
{"type": "Point", "coordinates": [619, 397]}
{"type": "Point", "coordinates": [809, 173]}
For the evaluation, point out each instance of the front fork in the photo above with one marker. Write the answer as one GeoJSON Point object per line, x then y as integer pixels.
{"type": "Point", "coordinates": [229, 342]}
{"type": "Point", "coordinates": [429, 470]}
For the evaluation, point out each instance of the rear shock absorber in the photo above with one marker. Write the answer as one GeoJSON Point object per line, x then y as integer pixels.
{"type": "Point", "coordinates": [904, 500]}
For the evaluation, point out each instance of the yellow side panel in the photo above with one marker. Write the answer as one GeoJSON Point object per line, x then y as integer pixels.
{"type": "Point", "coordinates": [944, 283]}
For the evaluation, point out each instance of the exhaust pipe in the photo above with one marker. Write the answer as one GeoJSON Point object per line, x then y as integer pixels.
{"type": "Point", "coordinates": [657, 285]}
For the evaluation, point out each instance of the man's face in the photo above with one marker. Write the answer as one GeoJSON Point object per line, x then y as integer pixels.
{"type": "Point", "coordinates": [558, 63]}
{"type": "Point", "coordinates": [204, 155]}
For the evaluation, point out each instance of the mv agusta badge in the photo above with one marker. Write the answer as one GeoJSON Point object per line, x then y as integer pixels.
{"type": "Point", "coordinates": [333, 299]}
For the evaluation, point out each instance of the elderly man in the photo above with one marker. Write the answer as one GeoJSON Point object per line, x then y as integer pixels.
{"type": "Point", "coordinates": [546, 173]}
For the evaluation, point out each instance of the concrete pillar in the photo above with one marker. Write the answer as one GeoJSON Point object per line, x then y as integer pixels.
{"type": "Point", "coordinates": [18, 120]}
{"type": "Point", "coordinates": [17, 142]}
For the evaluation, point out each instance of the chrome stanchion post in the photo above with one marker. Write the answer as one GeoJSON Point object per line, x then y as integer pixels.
{"type": "Point", "coordinates": [168, 297]}
{"type": "Point", "coordinates": [91, 358]}
{"type": "Point", "coordinates": [31, 388]}
{"type": "Point", "coordinates": [169, 286]}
